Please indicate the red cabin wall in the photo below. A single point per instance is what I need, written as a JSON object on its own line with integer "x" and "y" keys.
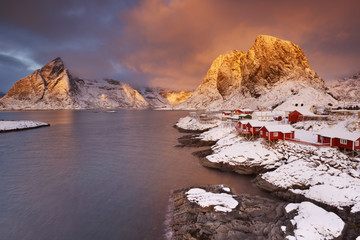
{"x": 358, "y": 147}
{"x": 348, "y": 145}
{"x": 263, "y": 135}
{"x": 289, "y": 135}
{"x": 294, "y": 116}
{"x": 325, "y": 139}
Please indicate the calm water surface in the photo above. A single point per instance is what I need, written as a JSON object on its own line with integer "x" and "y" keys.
{"x": 96, "y": 176}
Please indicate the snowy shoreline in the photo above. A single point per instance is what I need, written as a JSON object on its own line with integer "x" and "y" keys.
{"x": 291, "y": 171}
{"x": 7, "y": 126}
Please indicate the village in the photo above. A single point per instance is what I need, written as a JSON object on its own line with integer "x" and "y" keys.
{"x": 289, "y": 125}
{"x": 306, "y": 154}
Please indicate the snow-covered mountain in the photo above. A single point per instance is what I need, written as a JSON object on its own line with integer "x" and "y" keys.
{"x": 346, "y": 89}
{"x": 272, "y": 73}
{"x": 158, "y": 97}
{"x": 52, "y": 87}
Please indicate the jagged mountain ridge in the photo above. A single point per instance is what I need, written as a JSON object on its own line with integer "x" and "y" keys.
{"x": 346, "y": 89}
{"x": 53, "y": 87}
{"x": 266, "y": 75}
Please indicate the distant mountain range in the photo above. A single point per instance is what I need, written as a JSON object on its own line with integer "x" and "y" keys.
{"x": 346, "y": 89}
{"x": 273, "y": 73}
{"x": 53, "y": 87}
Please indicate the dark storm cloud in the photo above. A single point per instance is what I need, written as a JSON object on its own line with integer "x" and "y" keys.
{"x": 170, "y": 43}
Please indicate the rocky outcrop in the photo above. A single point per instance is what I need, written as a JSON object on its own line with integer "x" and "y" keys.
{"x": 346, "y": 89}
{"x": 266, "y": 75}
{"x": 53, "y": 87}
{"x": 253, "y": 218}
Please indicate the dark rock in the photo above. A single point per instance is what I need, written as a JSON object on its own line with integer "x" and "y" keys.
{"x": 253, "y": 218}
{"x": 182, "y": 130}
{"x": 194, "y": 141}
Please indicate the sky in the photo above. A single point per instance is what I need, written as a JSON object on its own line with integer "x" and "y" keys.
{"x": 169, "y": 43}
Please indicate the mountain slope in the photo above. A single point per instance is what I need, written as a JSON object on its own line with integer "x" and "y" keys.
{"x": 266, "y": 75}
{"x": 52, "y": 87}
{"x": 158, "y": 97}
{"x": 346, "y": 89}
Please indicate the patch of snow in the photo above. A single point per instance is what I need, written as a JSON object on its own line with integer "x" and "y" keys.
{"x": 217, "y": 133}
{"x": 222, "y": 202}
{"x": 243, "y": 151}
{"x": 18, "y": 125}
{"x": 226, "y": 189}
{"x": 192, "y": 123}
{"x": 313, "y": 222}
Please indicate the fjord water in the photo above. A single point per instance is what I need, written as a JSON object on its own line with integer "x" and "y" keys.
{"x": 96, "y": 175}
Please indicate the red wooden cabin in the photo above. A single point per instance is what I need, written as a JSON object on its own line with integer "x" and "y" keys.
{"x": 274, "y": 132}
{"x": 341, "y": 139}
{"x": 242, "y": 127}
{"x": 295, "y": 116}
{"x": 254, "y": 127}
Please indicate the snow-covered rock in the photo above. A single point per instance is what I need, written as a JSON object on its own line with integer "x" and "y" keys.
{"x": 20, "y": 125}
{"x": 272, "y": 73}
{"x": 313, "y": 222}
{"x": 322, "y": 174}
{"x": 195, "y": 124}
{"x": 217, "y": 133}
{"x": 222, "y": 202}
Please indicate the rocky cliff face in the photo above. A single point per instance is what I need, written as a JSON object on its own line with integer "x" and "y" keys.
{"x": 346, "y": 89}
{"x": 52, "y": 87}
{"x": 266, "y": 75}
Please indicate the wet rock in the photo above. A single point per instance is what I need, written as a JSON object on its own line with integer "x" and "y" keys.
{"x": 182, "y": 130}
{"x": 193, "y": 141}
{"x": 253, "y": 218}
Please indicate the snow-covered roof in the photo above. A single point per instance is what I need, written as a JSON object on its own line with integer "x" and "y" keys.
{"x": 263, "y": 113}
{"x": 255, "y": 123}
{"x": 343, "y": 134}
{"x": 284, "y": 128}
{"x": 305, "y": 111}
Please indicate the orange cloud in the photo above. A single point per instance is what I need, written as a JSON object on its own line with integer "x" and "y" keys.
{"x": 174, "y": 42}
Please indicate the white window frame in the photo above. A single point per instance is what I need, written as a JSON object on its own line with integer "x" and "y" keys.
{"x": 261, "y": 132}
{"x": 276, "y": 134}
{"x": 343, "y": 141}
{"x": 357, "y": 143}
{"x": 267, "y": 134}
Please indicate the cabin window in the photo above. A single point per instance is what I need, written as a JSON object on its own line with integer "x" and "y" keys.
{"x": 275, "y": 134}
{"x": 256, "y": 129}
{"x": 357, "y": 143}
{"x": 251, "y": 129}
{"x": 343, "y": 141}
{"x": 261, "y": 132}
{"x": 267, "y": 134}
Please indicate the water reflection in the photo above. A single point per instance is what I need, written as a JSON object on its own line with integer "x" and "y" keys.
{"x": 96, "y": 175}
